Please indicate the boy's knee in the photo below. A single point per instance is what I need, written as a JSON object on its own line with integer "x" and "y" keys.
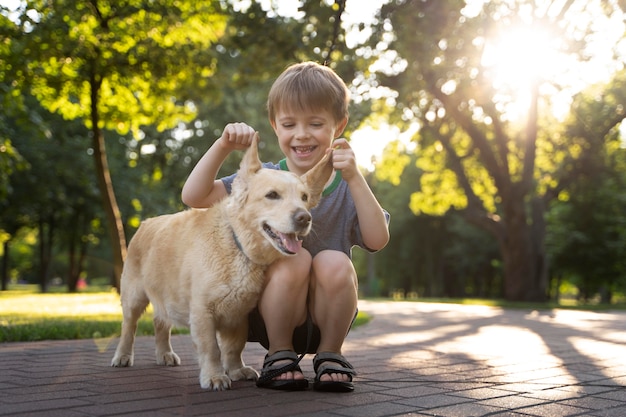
{"x": 295, "y": 267}
{"x": 334, "y": 268}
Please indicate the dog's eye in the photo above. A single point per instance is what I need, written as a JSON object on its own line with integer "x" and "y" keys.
{"x": 272, "y": 195}
{"x": 305, "y": 197}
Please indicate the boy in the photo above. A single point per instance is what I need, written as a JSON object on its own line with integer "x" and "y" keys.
{"x": 308, "y": 110}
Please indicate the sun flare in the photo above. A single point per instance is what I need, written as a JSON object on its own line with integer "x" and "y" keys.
{"x": 521, "y": 54}
{"x": 518, "y": 58}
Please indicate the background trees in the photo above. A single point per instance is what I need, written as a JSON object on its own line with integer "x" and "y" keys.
{"x": 500, "y": 165}
{"x": 498, "y": 196}
{"x": 114, "y": 65}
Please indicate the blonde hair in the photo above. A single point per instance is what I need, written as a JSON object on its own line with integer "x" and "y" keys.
{"x": 309, "y": 86}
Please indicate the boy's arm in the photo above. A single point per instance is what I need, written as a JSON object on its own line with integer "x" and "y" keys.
{"x": 372, "y": 220}
{"x": 202, "y": 189}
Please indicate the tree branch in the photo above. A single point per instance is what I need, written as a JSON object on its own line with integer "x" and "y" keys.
{"x": 480, "y": 140}
{"x": 336, "y": 29}
{"x": 530, "y": 152}
{"x": 475, "y": 211}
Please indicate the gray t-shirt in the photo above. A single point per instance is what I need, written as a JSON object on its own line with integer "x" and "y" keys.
{"x": 335, "y": 223}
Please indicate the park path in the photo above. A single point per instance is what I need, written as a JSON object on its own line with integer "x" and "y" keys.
{"x": 413, "y": 359}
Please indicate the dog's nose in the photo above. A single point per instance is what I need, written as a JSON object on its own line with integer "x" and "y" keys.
{"x": 302, "y": 218}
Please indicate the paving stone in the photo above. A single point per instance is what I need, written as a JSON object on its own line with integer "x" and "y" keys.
{"x": 414, "y": 359}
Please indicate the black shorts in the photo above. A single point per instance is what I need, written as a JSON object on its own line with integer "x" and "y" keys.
{"x": 258, "y": 333}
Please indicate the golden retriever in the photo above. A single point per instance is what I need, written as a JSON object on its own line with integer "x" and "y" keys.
{"x": 204, "y": 268}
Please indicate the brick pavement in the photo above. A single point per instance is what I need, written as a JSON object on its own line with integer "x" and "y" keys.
{"x": 413, "y": 359}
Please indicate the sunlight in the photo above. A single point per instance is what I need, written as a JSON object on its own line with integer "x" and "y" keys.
{"x": 59, "y": 305}
{"x": 528, "y": 52}
{"x": 369, "y": 143}
{"x": 521, "y": 54}
{"x": 590, "y": 348}
{"x": 520, "y": 57}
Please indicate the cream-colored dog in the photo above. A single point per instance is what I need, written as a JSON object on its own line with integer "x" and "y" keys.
{"x": 204, "y": 269}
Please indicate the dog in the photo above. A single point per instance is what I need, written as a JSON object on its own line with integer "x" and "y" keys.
{"x": 204, "y": 268}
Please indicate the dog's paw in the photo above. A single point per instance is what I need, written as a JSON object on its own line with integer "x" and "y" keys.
{"x": 168, "y": 359}
{"x": 215, "y": 382}
{"x": 242, "y": 374}
{"x": 121, "y": 361}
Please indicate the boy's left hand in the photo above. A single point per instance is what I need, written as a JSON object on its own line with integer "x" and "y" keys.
{"x": 344, "y": 159}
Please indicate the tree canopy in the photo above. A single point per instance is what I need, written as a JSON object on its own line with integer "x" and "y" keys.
{"x": 476, "y": 155}
{"x": 516, "y": 133}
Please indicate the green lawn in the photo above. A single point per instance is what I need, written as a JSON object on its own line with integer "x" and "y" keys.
{"x": 28, "y": 316}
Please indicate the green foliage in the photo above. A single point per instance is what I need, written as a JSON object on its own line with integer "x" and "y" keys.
{"x": 154, "y": 65}
{"x": 476, "y": 156}
{"x": 10, "y": 161}
{"x": 146, "y": 58}
{"x": 588, "y": 239}
{"x": 392, "y": 164}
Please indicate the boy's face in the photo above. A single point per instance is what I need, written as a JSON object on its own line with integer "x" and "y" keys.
{"x": 304, "y": 136}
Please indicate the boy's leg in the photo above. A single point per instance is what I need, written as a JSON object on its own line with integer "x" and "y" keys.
{"x": 283, "y": 303}
{"x": 333, "y": 301}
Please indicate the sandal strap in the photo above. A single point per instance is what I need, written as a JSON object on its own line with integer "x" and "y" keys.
{"x": 270, "y": 371}
{"x": 321, "y": 365}
{"x": 281, "y": 355}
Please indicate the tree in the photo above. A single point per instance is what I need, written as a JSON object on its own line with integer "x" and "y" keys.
{"x": 114, "y": 65}
{"x": 587, "y": 243}
{"x": 11, "y": 161}
{"x": 477, "y": 157}
{"x": 47, "y": 195}
{"x": 257, "y": 46}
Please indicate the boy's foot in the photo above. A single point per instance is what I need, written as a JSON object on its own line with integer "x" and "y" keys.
{"x": 281, "y": 371}
{"x": 329, "y": 369}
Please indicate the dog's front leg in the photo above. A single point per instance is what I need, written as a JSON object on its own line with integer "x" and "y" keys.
{"x": 232, "y": 342}
{"x": 204, "y": 336}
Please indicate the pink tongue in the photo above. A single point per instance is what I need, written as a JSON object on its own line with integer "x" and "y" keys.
{"x": 291, "y": 243}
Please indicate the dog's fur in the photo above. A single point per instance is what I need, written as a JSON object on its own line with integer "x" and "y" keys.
{"x": 204, "y": 268}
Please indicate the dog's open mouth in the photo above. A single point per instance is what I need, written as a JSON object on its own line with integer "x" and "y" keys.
{"x": 288, "y": 243}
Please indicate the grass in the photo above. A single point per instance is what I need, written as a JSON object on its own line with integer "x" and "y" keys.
{"x": 29, "y": 316}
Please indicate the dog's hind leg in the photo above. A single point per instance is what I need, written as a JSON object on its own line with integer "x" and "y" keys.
{"x": 134, "y": 303}
{"x": 232, "y": 342}
{"x": 164, "y": 353}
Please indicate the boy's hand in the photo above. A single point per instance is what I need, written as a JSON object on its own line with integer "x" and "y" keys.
{"x": 237, "y": 136}
{"x": 344, "y": 159}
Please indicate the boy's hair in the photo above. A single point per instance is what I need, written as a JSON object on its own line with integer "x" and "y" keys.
{"x": 309, "y": 86}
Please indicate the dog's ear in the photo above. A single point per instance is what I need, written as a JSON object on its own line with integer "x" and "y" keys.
{"x": 317, "y": 177}
{"x": 251, "y": 164}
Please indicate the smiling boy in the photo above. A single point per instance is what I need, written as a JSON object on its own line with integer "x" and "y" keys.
{"x": 308, "y": 110}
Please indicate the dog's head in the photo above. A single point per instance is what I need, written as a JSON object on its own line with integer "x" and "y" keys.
{"x": 270, "y": 208}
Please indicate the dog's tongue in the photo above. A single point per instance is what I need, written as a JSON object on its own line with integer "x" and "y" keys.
{"x": 291, "y": 242}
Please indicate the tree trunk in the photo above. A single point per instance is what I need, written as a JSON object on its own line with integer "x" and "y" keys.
{"x": 5, "y": 266}
{"x": 45, "y": 252}
{"x": 114, "y": 217}
{"x": 72, "y": 276}
{"x": 538, "y": 239}
{"x": 523, "y": 254}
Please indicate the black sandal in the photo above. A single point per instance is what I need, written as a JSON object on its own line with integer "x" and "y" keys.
{"x": 339, "y": 365}
{"x": 271, "y": 371}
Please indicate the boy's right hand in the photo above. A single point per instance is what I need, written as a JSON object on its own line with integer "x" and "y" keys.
{"x": 237, "y": 136}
